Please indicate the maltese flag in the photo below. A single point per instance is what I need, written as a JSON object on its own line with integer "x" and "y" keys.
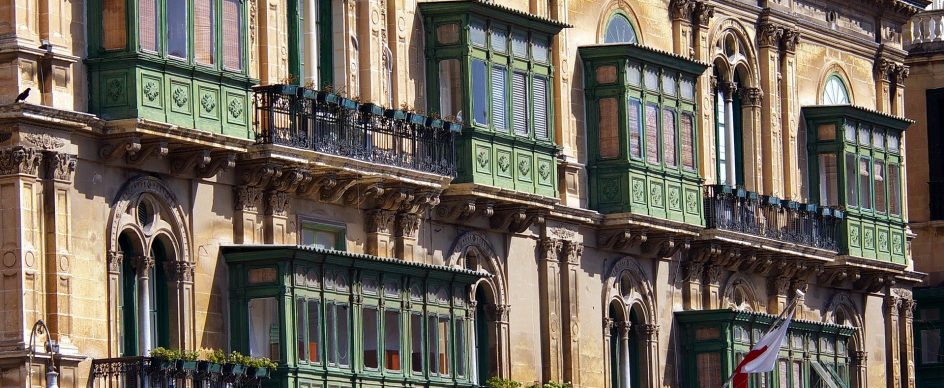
{"x": 763, "y": 357}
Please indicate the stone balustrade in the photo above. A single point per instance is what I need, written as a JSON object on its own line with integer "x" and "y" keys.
{"x": 925, "y": 27}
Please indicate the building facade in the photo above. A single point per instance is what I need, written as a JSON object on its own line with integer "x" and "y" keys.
{"x": 926, "y": 166}
{"x": 610, "y": 194}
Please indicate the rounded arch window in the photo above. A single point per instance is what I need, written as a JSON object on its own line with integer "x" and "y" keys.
{"x": 619, "y": 30}
{"x": 835, "y": 92}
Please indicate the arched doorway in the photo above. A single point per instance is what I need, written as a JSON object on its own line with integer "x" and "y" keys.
{"x": 630, "y": 334}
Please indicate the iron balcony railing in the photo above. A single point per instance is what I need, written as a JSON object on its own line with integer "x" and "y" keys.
{"x": 325, "y": 122}
{"x": 149, "y": 372}
{"x": 747, "y": 212}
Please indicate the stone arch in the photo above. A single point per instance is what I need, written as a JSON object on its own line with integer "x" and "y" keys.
{"x": 624, "y": 8}
{"x": 627, "y": 271}
{"x": 628, "y": 291}
{"x": 746, "y": 56}
{"x": 170, "y": 214}
{"x": 843, "y": 308}
{"x": 476, "y": 244}
{"x": 834, "y": 68}
{"x": 740, "y": 287}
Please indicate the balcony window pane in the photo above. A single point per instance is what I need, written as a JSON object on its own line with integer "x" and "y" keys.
{"x": 370, "y": 338}
{"x": 477, "y": 34}
{"x": 827, "y": 132}
{"x": 460, "y": 347}
{"x": 634, "y": 126}
{"x": 609, "y": 128}
{"x": 499, "y": 40}
{"x": 669, "y": 142}
{"x": 539, "y": 49}
{"x": 416, "y": 342}
{"x": 893, "y": 142}
{"x": 852, "y": 193}
{"x": 177, "y": 28}
{"x": 300, "y": 325}
{"x": 147, "y": 24}
{"x": 633, "y": 74}
{"x": 114, "y": 25}
{"x": 652, "y": 79}
{"x": 344, "y": 335}
{"x": 432, "y": 334}
{"x": 392, "y": 340}
{"x": 688, "y": 141}
{"x": 668, "y": 85}
{"x": 541, "y": 108}
{"x": 204, "y": 31}
{"x": 447, "y": 33}
{"x": 519, "y": 44}
{"x": 782, "y": 368}
{"x": 864, "y": 134}
{"x": 688, "y": 88}
{"x": 931, "y": 346}
{"x": 264, "y": 328}
{"x": 894, "y": 190}
{"x": 332, "y": 328}
{"x": 849, "y": 129}
{"x": 878, "y": 138}
{"x": 499, "y": 103}
{"x": 652, "y": 133}
{"x": 314, "y": 331}
{"x": 865, "y": 184}
{"x": 443, "y": 347}
{"x": 479, "y": 92}
{"x": 878, "y": 182}
{"x": 828, "y": 180}
{"x": 709, "y": 369}
{"x": 519, "y": 103}
{"x": 450, "y": 87}
{"x": 232, "y": 28}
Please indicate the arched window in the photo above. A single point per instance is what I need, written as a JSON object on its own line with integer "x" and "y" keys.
{"x": 731, "y": 74}
{"x": 835, "y": 92}
{"x": 619, "y": 30}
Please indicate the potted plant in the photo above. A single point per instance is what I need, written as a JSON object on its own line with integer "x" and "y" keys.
{"x": 348, "y": 103}
{"x": 212, "y": 362}
{"x": 327, "y": 94}
{"x": 373, "y": 109}
{"x": 417, "y": 118}
{"x": 395, "y": 114}
{"x": 166, "y": 358}
{"x": 188, "y": 360}
{"x": 235, "y": 364}
{"x": 260, "y": 368}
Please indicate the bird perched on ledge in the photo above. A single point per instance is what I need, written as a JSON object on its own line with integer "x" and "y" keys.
{"x": 22, "y": 97}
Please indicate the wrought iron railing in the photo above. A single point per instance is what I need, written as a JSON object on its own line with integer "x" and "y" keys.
{"x": 324, "y": 122}
{"x": 764, "y": 216}
{"x": 148, "y": 372}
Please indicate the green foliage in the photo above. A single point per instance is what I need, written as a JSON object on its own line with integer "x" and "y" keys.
{"x": 495, "y": 382}
{"x": 189, "y": 356}
{"x": 261, "y": 362}
{"x": 238, "y": 358}
{"x": 166, "y": 354}
{"x": 554, "y": 384}
{"x": 216, "y": 356}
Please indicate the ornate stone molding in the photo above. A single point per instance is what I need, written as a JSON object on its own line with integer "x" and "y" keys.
{"x": 115, "y": 259}
{"x": 44, "y": 141}
{"x": 19, "y": 160}
{"x": 59, "y": 166}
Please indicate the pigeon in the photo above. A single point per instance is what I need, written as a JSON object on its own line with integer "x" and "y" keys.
{"x": 22, "y": 97}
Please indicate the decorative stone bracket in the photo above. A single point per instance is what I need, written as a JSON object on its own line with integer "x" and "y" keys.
{"x": 621, "y": 239}
{"x": 516, "y": 219}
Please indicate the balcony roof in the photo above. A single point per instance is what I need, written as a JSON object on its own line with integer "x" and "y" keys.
{"x": 859, "y": 113}
{"x": 644, "y": 54}
{"x": 494, "y": 11}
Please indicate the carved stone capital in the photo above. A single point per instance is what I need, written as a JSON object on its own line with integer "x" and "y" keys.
{"x": 789, "y": 40}
{"x": 608, "y": 324}
{"x": 115, "y": 260}
{"x": 407, "y": 224}
{"x": 694, "y": 271}
{"x": 143, "y": 265}
{"x": 573, "y": 251}
{"x": 247, "y": 197}
{"x": 59, "y": 166}
{"x": 892, "y": 305}
{"x": 379, "y": 220}
{"x": 624, "y": 327}
{"x": 276, "y": 203}
{"x": 498, "y": 311}
{"x": 885, "y": 69}
{"x": 860, "y": 357}
{"x": 714, "y": 274}
{"x": 649, "y": 331}
{"x": 19, "y": 160}
{"x": 770, "y": 35}
{"x": 751, "y": 96}
{"x": 682, "y": 10}
{"x": 728, "y": 89}
{"x": 907, "y": 308}
{"x": 703, "y": 13}
{"x": 181, "y": 271}
{"x": 550, "y": 248}
{"x": 901, "y": 72}
{"x": 779, "y": 285}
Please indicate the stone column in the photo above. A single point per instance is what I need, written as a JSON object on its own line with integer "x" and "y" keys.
{"x": 115, "y": 260}
{"x": 144, "y": 264}
{"x": 180, "y": 280}
{"x": 550, "y": 304}
{"x": 769, "y": 62}
{"x": 379, "y": 241}
{"x": 860, "y": 373}
{"x": 608, "y": 325}
{"x": 789, "y": 111}
{"x": 57, "y": 204}
{"x": 20, "y": 274}
{"x": 892, "y": 345}
{"x": 570, "y": 307}
{"x": 624, "y": 328}
{"x": 728, "y": 90}
{"x": 907, "y": 342}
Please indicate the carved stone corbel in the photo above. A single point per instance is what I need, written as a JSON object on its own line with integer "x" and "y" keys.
{"x": 290, "y": 179}
{"x": 516, "y": 219}
{"x": 120, "y": 147}
{"x": 364, "y": 193}
{"x": 189, "y": 161}
{"x": 259, "y": 175}
{"x": 873, "y": 282}
{"x": 154, "y": 147}
{"x": 221, "y": 162}
{"x": 336, "y": 189}
{"x": 454, "y": 210}
{"x": 667, "y": 247}
{"x": 421, "y": 201}
{"x": 618, "y": 240}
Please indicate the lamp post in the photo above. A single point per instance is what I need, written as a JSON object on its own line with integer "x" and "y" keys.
{"x": 52, "y": 376}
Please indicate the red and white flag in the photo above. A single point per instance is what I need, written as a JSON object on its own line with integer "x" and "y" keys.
{"x": 763, "y": 357}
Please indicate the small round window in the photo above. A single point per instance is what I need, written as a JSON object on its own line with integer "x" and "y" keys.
{"x": 619, "y": 30}
{"x": 145, "y": 214}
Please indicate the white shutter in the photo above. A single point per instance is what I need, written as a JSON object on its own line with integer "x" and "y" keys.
{"x": 519, "y": 101}
{"x": 499, "y": 105}
{"x": 540, "y": 107}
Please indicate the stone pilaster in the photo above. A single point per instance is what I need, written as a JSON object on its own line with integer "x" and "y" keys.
{"x": 906, "y": 321}
{"x": 702, "y": 51}
{"x": 681, "y": 12}
{"x": 180, "y": 281}
{"x": 549, "y": 277}
{"x": 405, "y": 246}
{"x": 57, "y": 219}
{"x": 860, "y": 371}
{"x": 884, "y": 80}
{"x": 115, "y": 261}
{"x": 712, "y": 293}
{"x": 379, "y": 224}
{"x": 789, "y": 113}
{"x": 692, "y": 292}
{"x": 371, "y": 23}
{"x": 769, "y": 36}
{"x": 570, "y": 325}
{"x": 892, "y": 307}
{"x": 899, "y": 74}
{"x": 650, "y": 372}
{"x": 275, "y": 218}
{"x": 247, "y": 222}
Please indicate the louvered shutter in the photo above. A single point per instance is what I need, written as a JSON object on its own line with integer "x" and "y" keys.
{"x": 540, "y": 107}
{"x": 519, "y": 101}
{"x": 499, "y": 105}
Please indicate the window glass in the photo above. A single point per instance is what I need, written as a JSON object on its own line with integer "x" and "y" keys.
{"x": 499, "y": 104}
{"x": 878, "y": 138}
{"x": 147, "y": 24}
{"x": 519, "y": 44}
{"x": 432, "y": 333}
{"x": 668, "y": 85}
{"x": 852, "y": 196}
{"x": 343, "y": 333}
{"x": 669, "y": 142}
{"x": 720, "y": 117}
{"x": 450, "y": 87}
{"x": 113, "y": 25}
{"x": 232, "y": 27}
{"x": 317, "y": 236}
{"x": 539, "y": 49}
{"x": 634, "y": 124}
{"x": 443, "y": 348}
{"x": 878, "y": 183}
{"x": 865, "y": 183}
{"x": 634, "y": 74}
{"x": 835, "y": 91}
{"x": 894, "y": 190}
{"x": 688, "y": 88}
{"x": 477, "y": 34}
{"x": 931, "y": 346}
{"x": 519, "y": 103}
{"x": 688, "y": 141}
{"x": 652, "y": 79}
{"x": 798, "y": 374}
{"x": 460, "y": 347}
{"x": 301, "y": 322}
{"x": 204, "y": 31}
{"x": 264, "y": 328}
{"x": 828, "y": 180}
{"x": 619, "y": 30}
{"x": 177, "y": 28}
{"x": 709, "y": 369}
{"x": 479, "y": 92}
{"x": 609, "y": 128}
{"x": 850, "y": 131}
{"x": 499, "y": 40}
{"x": 416, "y": 343}
{"x": 447, "y": 33}
{"x": 893, "y": 142}
{"x": 541, "y": 129}
{"x": 314, "y": 330}
{"x": 652, "y": 133}
{"x": 392, "y": 340}
{"x": 338, "y": 334}
{"x": 370, "y": 337}
{"x": 782, "y": 369}
{"x": 864, "y": 132}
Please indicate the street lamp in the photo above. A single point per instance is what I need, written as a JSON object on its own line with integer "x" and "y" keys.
{"x": 52, "y": 376}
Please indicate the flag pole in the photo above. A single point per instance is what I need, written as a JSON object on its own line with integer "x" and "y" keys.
{"x": 777, "y": 322}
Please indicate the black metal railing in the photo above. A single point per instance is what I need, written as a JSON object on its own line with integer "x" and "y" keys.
{"x": 747, "y": 212}
{"x": 324, "y": 122}
{"x": 149, "y": 372}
